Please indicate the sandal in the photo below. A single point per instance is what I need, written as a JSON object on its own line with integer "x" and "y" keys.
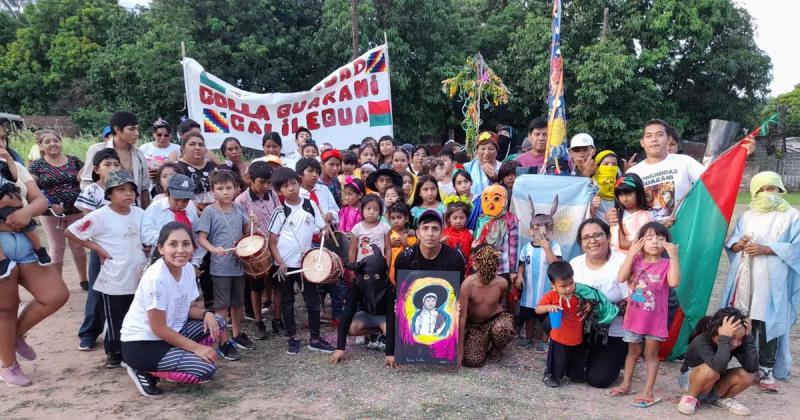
{"x": 618, "y": 392}
{"x": 644, "y": 402}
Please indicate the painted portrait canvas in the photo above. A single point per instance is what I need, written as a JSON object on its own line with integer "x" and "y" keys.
{"x": 427, "y": 323}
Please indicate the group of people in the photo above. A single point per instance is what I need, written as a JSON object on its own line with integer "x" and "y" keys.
{"x": 161, "y": 222}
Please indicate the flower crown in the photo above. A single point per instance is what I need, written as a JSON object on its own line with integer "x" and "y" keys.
{"x": 452, "y": 199}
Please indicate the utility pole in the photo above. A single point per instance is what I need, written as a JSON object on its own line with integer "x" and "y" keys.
{"x": 354, "y": 22}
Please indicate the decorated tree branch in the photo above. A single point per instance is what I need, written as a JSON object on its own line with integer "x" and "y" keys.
{"x": 476, "y": 86}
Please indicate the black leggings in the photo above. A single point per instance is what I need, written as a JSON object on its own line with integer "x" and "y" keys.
{"x": 604, "y": 362}
{"x": 310, "y": 296}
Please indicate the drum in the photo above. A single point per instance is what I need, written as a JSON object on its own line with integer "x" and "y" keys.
{"x": 322, "y": 269}
{"x": 253, "y": 251}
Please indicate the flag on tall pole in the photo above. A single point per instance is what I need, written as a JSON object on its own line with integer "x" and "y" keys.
{"x": 701, "y": 224}
{"x": 557, "y": 109}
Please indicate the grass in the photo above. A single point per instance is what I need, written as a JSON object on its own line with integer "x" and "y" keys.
{"x": 24, "y": 140}
{"x": 793, "y": 198}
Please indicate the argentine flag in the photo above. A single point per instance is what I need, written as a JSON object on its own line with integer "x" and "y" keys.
{"x": 574, "y": 195}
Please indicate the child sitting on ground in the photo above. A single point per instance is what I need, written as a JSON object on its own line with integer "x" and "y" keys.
{"x": 705, "y": 376}
{"x": 649, "y": 276}
{"x": 566, "y": 354}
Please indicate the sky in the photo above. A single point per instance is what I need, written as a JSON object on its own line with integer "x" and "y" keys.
{"x": 775, "y": 34}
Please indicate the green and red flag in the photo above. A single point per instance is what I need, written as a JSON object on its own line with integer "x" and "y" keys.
{"x": 701, "y": 225}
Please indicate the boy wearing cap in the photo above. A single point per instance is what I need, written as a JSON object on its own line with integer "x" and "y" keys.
{"x": 581, "y": 150}
{"x": 114, "y": 233}
{"x": 260, "y": 201}
{"x": 176, "y": 207}
{"x": 91, "y": 198}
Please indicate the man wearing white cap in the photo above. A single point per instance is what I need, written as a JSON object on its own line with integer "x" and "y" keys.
{"x": 581, "y": 150}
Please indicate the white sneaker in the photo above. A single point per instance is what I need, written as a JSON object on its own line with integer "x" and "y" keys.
{"x": 687, "y": 405}
{"x": 733, "y": 405}
{"x": 766, "y": 380}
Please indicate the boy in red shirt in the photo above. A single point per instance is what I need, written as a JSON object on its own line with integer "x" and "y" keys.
{"x": 566, "y": 354}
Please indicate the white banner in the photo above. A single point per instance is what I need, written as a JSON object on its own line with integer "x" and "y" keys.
{"x": 351, "y": 103}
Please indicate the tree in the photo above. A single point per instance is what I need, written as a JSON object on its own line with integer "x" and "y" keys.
{"x": 791, "y": 102}
{"x": 43, "y": 69}
{"x": 684, "y": 61}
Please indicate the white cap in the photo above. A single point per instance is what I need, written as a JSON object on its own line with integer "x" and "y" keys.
{"x": 581, "y": 140}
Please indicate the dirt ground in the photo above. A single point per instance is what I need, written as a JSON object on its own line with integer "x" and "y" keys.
{"x": 268, "y": 383}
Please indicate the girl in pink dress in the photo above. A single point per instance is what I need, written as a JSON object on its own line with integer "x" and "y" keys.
{"x": 649, "y": 274}
{"x": 350, "y": 213}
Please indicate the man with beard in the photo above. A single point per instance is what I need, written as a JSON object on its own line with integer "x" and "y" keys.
{"x": 483, "y": 325}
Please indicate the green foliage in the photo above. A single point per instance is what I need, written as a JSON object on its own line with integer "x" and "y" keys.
{"x": 791, "y": 102}
{"x": 685, "y": 61}
{"x": 43, "y": 69}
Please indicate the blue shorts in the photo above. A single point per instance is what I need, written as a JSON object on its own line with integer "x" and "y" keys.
{"x": 17, "y": 247}
{"x": 632, "y": 337}
{"x": 707, "y": 398}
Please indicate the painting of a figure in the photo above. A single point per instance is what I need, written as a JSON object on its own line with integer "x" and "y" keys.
{"x": 427, "y": 327}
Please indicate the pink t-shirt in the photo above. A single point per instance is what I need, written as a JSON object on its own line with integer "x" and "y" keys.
{"x": 348, "y": 218}
{"x": 649, "y": 295}
{"x": 632, "y": 223}
{"x": 527, "y": 160}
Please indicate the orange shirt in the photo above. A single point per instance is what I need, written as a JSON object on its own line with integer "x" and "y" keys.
{"x": 410, "y": 241}
{"x": 571, "y": 331}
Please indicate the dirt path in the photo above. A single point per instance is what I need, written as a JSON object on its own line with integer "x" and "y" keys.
{"x": 267, "y": 383}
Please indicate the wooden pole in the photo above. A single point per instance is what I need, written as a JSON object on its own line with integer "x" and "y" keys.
{"x": 354, "y": 22}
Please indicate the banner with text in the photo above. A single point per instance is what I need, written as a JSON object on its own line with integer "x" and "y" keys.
{"x": 351, "y": 103}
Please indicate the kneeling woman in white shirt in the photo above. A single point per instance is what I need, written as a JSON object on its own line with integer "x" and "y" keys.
{"x": 166, "y": 333}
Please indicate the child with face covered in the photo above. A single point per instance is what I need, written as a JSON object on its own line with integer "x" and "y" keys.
{"x": 534, "y": 259}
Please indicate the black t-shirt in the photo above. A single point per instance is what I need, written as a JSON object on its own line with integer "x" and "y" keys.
{"x": 448, "y": 259}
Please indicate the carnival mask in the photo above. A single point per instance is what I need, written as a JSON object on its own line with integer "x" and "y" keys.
{"x": 493, "y": 200}
{"x": 542, "y": 224}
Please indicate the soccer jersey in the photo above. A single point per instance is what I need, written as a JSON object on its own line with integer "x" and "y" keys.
{"x": 535, "y": 281}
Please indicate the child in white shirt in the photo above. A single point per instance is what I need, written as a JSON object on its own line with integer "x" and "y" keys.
{"x": 114, "y": 233}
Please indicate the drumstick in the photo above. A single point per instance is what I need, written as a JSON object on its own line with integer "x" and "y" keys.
{"x": 330, "y": 230}
{"x": 321, "y": 247}
{"x": 252, "y": 223}
{"x": 296, "y": 271}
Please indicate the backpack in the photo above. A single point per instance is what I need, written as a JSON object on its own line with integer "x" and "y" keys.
{"x": 306, "y": 205}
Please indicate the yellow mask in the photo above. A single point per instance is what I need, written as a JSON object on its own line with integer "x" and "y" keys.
{"x": 493, "y": 200}
{"x": 606, "y": 177}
